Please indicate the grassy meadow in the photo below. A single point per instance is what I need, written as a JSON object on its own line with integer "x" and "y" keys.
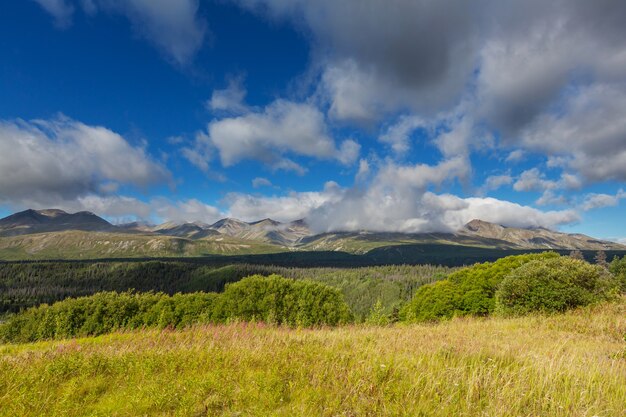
{"x": 572, "y": 364}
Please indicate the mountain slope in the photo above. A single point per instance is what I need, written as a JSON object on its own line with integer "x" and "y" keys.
{"x": 537, "y": 238}
{"x": 38, "y": 221}
{"x": 475, "y": 233}
{"x": 77, "y": 244}
{"x": 56, "y": 234}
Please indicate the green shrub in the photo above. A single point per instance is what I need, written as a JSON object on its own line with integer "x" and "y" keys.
{"x": 273, "y": 299}
{"x": 618, "y": 268}
{"x": 554, "y": 285}
{"x": 279, "y": 300}
{"x": 377, "y": 316}
{"x": 468, "y": 291}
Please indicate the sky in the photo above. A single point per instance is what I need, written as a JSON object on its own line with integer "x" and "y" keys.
{"x": 403, "y": 115}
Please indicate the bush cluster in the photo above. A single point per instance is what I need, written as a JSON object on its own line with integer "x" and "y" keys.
{"x": 272, "y": 299}
{"x": 468, "y": 291}
{"x": 516, "y": 285}
{"x": 554, "y": 285}
{"x": 618, "y": 268}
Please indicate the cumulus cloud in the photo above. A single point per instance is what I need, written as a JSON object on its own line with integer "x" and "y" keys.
{"x": 550, "y": 198}
{"x": 381, "y": 55}
{"x": 48, "y": 160}
{"x": 230, "y": 99}
{"x": 535, "y": 180}
{"x": 61, "y": 10}
{"x": 588, "y": 135}
{"x": 172, "y": 26}
{"x": 594, "y": 201}
{"x": 294, "y": 206}
{"x": 398, "y": 198}
{"x": 398, "y": 134}
{"x": 259, "y": 182}
{"x": 121, "y": 208}
{"x": 548, "y": 77}
{"x": 390, "y": 210}
{"x": 200, "y": 152}
{"x": 515, "y": 156}
{"x": 494, "y": 182}
{"x": 181, "y": 211}
{"x": 363, "y": 172}
{"x": 283, "y": 127}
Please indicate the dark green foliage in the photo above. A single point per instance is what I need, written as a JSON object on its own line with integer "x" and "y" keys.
{"x": 468, "y": 291}
{"x": 105, "y": 312}
{"x": 282, "y": 301}
{"x": 273, "y": 299}
{"x": 392, "y": 285}
{"x": 554, "y": 285}
{"x": 24, "y": 285}
{"x": 436, "y": 301}
{"x": 618, "y": 268}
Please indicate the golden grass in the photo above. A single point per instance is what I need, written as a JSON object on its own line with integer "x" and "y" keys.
{"x": 566, "y": 365}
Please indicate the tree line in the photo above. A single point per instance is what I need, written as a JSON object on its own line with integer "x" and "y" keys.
{"x": 272, "y": 299}
{"x": 23, "y": 285}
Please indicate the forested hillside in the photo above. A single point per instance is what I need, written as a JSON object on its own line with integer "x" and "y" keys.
{"x": 23, "y": 285}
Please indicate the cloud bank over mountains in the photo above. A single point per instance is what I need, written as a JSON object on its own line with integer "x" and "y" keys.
{"x": 517, "y": 80}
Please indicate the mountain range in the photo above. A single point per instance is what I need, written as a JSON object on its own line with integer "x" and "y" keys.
{"x": 54, "y": 233}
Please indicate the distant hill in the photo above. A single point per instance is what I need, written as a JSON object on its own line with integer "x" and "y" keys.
{"x": 52, "y": 233}
{"x": 51, "y": 220}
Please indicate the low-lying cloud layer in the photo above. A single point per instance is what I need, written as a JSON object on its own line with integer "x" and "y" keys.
{"x": 396, "y": 200}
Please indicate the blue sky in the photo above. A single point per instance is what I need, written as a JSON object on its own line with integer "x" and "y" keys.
{"x": 415, "y": 116}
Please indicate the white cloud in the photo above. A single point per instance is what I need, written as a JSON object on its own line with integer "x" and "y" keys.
{"x": 112, "y": 207}
{"x": 458, "y": 139}
{"x": 547, "y": 77}
{"x": 44, "y": 161}
{"x": 200, "y": 152}
{"x": 230, "y": 99}
{"x": 515, "y": 156}
{"x": 401, "y": 210}
{"x": 259, "y": 182}
{"x": 363, "y": 172}
{"x": 588, "y": 135}
{"x": 398, "y": 134}
{"x": 294, "y": 206}
{"x": 594, "y": 201}
{"x": 348, "y": 152}
{"x": 534, "y": 180}
{"x": 61, "y": 10}
{"x": 181, "y": 211}
{"x": 283, "y": 127}
{"x": 380, "y": 56}
{"x": 549, "y": 197}
{"x": 286, "y": 164}
{"x": 172, "y": 26}
{"x": 508, "y": 214}
{"x": 494, "y": 182}
{"x": 396, "y": 200}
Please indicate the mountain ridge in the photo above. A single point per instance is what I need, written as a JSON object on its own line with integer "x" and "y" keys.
{"x": 232, "y": 235}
